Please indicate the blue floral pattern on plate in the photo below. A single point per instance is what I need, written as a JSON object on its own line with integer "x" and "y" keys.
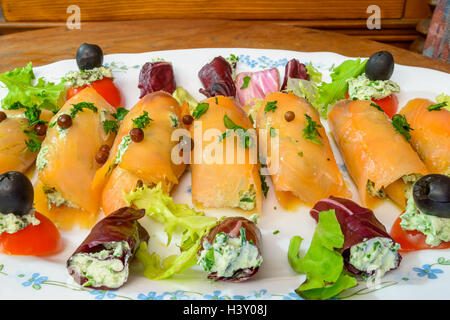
{"x": 427, "y": 271}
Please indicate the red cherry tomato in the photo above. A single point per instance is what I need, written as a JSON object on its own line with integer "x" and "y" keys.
{"x": 389, "y": 104}
{"x": 106, "y": 88}
{"x": 412, "y": 240}
{"x": 39, "y": 240}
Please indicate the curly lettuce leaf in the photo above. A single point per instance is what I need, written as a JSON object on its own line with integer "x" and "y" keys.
{"x": 444, "y": 98}
{"x": 43, "y": 95}
{"x": 181, "y": 95}
{"x": 314, "y": 74}
{"x": 323, "y": 263}
{"x": 329, "y": 93}
{"x": 175, "y": 218}
{"x": 302, "y": 88}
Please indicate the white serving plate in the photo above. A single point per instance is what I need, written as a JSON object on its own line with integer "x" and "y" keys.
{"x": 421, "y": 275}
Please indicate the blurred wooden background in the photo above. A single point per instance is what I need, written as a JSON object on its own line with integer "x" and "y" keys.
{"x": 398, "y": 25}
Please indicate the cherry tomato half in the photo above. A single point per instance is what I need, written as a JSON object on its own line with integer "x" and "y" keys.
{"x": 389, "y": 104}
{"x": 412, "y": 240}
{"x": 106, "y": 88}
{"x": 39, "y": 240}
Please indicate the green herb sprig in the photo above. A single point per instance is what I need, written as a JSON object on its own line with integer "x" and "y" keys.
{"x": 402, "y": 126}
{"x": 110, "y": 126}
{"x": 142, "y": 121}
{"x": 264, "y": 186}
{"x": 437, "y": 107}
{"x": 33, "y": 143}
{"x": 245, "y": 82}
{"x": 120, "y": 114}
{"x": 200, "y": 110}
{"x": 310, "y": 131}
{"x": 80, "y": 107}
{"x": 270, "y": 106}
{"x": 229, "y": 124}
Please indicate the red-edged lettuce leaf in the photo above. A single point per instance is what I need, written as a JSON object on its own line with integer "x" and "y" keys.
{"x": 294, "y": 69}
{"x": 156, "y": 76}
{"x": 217, "y": 78}
{"x": 357, "y": 224}
{"x": 256, "y": 85}
{"x": 121, "y": 225}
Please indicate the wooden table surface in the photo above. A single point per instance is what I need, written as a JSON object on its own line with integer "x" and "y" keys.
{"x": 53, "y": 44}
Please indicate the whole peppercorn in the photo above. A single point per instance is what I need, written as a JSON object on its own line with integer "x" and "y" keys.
{"x": 64, "y": 121}
{"x": 105, "y": 148}
{"x": 101, "y": 157}
{"x": 41, "y": 129}
{"x": 289, "y": 116}
{"x": 188, "y": 119}
{"x": 136, "y": 134}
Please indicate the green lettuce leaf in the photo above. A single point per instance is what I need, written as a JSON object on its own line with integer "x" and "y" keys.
{"x": 175, "y": 218}
{"x": 329, "y": 93}
{"x": 323, "y": 263}
{"x": 43, "y": 95}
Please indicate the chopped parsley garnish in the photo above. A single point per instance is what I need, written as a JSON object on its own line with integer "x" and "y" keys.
{"x": 437, "y": 107}
{"x": 33, "y": 114}
{"x": 209, "y": 259}
{"x": 80, "y": 106}
{"x": 270, "y": 106}
{"x": 241, "y": 132}
{"x": 300, "y": 153}
{"x": 310, "y": 131}
{"x": 217, "y": 100}
{"x": 373, "y": 104}
{"x": 233, "y": 60}
{"x": 273, "y": 132}
{"x": 142, "y": 121}
{"x": 120, "y": 113}
{"x": 264, "y": 186}
{"x": 245, "y": 83}
{"x": 200, "y": 110}
{"x": 251, "y": 119}
{"x": 33, "y": 143}
{"x": 276, "y": 232}
{"x": 402, "y": 126}
{"x": 110, "y": 126}
{"x": 175, "y": 121}
{"x": 16, "y": 105}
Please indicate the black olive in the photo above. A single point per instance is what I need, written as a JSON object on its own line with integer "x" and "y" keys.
{"x": 16, "y": 193}
{"x": 380, "y": 66}
{"x": 432, "y": 195}
{"x": 89, "y": 56}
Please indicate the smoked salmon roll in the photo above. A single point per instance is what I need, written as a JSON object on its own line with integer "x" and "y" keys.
{"x": 15, "y": 154}
{"x": 67, "y": 163}
{"x": 303, "y": 169}
{"x": 379, "y": 158}
{"x": 224, "y": 164}
{"x": 144, "y": 159}
{"x": 431, "y": 135}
